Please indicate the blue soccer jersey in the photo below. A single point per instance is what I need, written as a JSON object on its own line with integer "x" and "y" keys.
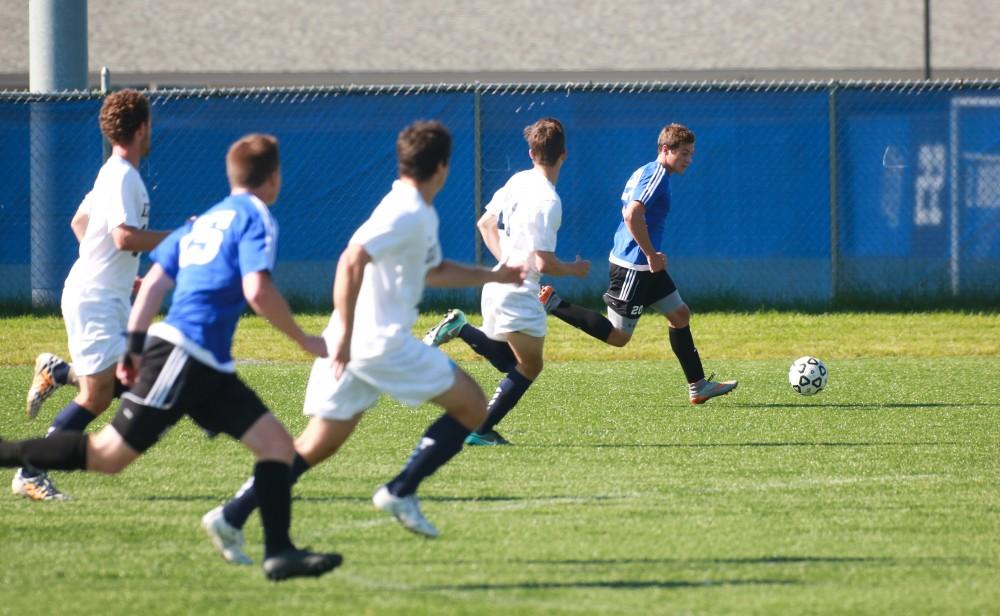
{"x": 649, "y": 185}
{"x": 207, "y": 260}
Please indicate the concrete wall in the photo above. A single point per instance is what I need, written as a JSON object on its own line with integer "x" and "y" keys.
{"x": 367, "y": 40}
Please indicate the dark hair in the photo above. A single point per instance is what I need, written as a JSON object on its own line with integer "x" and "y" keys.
{"x": 421, "y": 148}
{"x": 252, "y": 160}
{"x": 547, "y": 140}
{"x": 674, "y": 136}
{"x": 122, "y": 114}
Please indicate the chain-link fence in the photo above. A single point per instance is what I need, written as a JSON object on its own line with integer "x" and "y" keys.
{"x": 799, "y": 192}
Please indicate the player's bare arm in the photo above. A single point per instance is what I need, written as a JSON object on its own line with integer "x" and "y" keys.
{"x": 549, "y": 264}
{"x": 79, "y": 224}
{"x": 635, "y": 221}
{"x": 131, "y": 239}
{"x": 449, "y": 274}
{"x": 346, "y": 285}
{"x": 487, "y": 225}
{"x": 267, "y": 301}
{"x": 148, "y": 300}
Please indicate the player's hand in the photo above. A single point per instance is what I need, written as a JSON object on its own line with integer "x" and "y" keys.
{"x": 657, "y": 262}
{"x": 128, "y": 369}
{"x": 581, "y": 267}
{"x": 341, "y": 357}
{"x": 315, "y": 346}
{"x": 511, "y": 274}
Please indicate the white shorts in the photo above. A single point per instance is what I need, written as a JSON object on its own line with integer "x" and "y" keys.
{"x": 509, "y": 309}
{"x": 95, "y": 327}
{"x": 412, "y": 374}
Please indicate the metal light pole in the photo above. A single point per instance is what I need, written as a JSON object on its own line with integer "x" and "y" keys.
{"x": 58, "y": 62}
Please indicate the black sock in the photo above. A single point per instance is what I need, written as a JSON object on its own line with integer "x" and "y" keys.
{"x": 585, "y": 320}
{"x": 439, "y": 444}
{"x": 72, "y": 418}
{"x": 61, "y": 451}
{"x": 272, "y": 480}
{"x": 237, "y": 510}
{"x": 60, "y": 374}
{"x": 683, "y": 346}
{"x": 507, "y": 394}
{"x": 496, "y": 352}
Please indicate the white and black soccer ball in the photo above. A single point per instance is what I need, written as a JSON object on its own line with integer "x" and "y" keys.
{"x": 807, "y": 376}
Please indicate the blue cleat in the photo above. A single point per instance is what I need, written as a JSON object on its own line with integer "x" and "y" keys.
{"x": 447, "y": 329}
{"x": 489, "y": 439}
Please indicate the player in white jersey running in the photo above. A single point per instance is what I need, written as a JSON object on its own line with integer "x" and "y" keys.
{"x": 519, "y": 227}
{"x": 380, "y": 279}
{"x": 110, "y": 225}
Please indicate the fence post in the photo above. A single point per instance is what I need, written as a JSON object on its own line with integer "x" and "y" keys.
{"x": 105, "y": 90}
{"x": 834, "y": 194}
{"x": 477, "y": 166}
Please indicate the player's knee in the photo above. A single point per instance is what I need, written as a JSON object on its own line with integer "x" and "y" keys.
{"x": 530, "y": 369}
{"x": 618, "y": 337}
{"x": 681, "y": 317}
{"x": 96, "y": 400}
{"x": 108, "y": 453}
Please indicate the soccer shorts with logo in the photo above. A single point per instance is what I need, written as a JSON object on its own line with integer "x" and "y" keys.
{"x": 95, "y": 329}
{"x": 631, "y": 291}
{"x": 509, "y": 308}
{"x": 409, "y": 371}
{"x": 173, "y": 384}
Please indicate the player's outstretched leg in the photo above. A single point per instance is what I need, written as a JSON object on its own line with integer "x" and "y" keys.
{"x": 587, "y": 321}
{"x": 51, "y": 373}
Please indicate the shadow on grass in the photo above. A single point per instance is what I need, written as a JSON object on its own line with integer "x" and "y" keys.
{"x": 609, "y": 584}
{"x": 864, "y": 405}
{"x": 748, "y": 444}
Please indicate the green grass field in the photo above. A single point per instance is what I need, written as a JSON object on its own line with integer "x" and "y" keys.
{"x": 880, "y": 495}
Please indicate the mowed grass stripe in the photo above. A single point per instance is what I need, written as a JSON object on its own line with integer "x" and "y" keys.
{"x": 879, "y": 495}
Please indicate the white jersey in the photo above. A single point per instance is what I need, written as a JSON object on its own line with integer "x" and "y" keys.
{"x": 119, "y": 197}
{"x": 401, "y": 236}
{"x": 528, "y": 212}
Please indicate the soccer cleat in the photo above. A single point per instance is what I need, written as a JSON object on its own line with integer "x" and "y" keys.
{"x": 549, "y": 298}
{"x": 226, "y": 538}
{"x": 491, "y": 438}
{"x": 706, "y": 389}
{"x": 406, "y": 510}
{"x": 446, "y": 329}
{"x": 294, "y": 562}
{"x": 39, "y": 487}
{"x": 44, "y": 384}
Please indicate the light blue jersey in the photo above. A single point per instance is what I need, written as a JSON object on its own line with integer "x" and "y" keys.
{"x": 649, "y": 185}
{"x": 208, "y": 260}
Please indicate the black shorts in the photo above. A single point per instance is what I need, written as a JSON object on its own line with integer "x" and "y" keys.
{"x": 631, "y": 291}
{"x": 173, "y": 384}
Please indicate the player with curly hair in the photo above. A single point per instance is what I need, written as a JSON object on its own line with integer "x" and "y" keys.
{"x": 110, "y": 225}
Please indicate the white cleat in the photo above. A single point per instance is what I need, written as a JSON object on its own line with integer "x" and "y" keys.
{"x": 226, "y": 538}
{"x": 706, "y": 389}
{"x": 406, "y": 510}
{"x": 38, "y": 488}
{"x": 44, "y": 383}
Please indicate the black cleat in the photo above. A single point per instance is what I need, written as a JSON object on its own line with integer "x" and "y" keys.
{"x": 299, "y": 563}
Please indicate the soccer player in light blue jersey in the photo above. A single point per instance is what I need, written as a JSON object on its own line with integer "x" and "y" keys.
{"x": 217, "y": 265}
{"x": 638, "y": 268}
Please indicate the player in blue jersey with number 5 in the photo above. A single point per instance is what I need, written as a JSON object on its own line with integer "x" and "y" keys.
{"x": 217, "y": 264}
{"x": 638, "y": 269}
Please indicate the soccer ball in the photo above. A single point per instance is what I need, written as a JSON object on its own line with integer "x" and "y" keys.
{"x": 807, "y": 376}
